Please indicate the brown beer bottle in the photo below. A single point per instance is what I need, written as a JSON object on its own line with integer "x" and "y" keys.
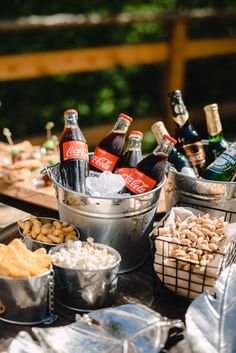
{"x": 132, "y": 156}
{"x": 188, "y": 140}
{"x": 73, "y": 154}
{"x": 150, "y": 171}
{"x": 110, "y": 148}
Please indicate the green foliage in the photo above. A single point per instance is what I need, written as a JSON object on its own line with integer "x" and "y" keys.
{"x": 100, "y": 96}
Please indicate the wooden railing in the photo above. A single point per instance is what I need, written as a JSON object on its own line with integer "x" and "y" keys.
{"x": 175, "y": 53}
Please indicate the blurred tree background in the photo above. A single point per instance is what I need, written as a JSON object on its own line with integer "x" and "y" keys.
{"x": 26, "y": 105}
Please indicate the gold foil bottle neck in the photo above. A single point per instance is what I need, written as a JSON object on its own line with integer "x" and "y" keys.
{"x": 214, "y": 126}
{"x": 159, "y": 130}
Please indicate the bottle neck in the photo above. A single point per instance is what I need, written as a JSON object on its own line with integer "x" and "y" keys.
{"x": 159, "y": 130}
{"x": 134, "y": 143}
{"x": 71, "y": 120}
{"x": 165, "y": 146}
{"x": 179, "y": 111}
{"x": 214, "y": 126}
{"x": 121, "y": 126}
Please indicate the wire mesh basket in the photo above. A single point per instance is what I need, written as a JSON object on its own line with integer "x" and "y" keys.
{"x": 180, "y": 275}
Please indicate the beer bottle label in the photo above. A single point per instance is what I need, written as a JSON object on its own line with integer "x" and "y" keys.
{"x": 195, "y": 153}
{"x": 138, "y": 183}
{"x": 75, "y": 150}
{"x": 224, "y": 162}
{"x": 125, "y": 172}
{"x": 103, "y": 160}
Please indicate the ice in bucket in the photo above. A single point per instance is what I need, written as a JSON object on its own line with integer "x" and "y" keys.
{"x": 105, "y": 184}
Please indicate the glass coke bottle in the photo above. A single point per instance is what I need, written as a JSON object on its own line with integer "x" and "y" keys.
{"x": 188, "y": 140}
{"x": 216, "y": 142}
{"x": 150, "y": 171}
{"x": 110, "y": 148}
{"x": 132, "y": 155}
{"x": 73, "y": 154}
{"x": 176, "y": 158}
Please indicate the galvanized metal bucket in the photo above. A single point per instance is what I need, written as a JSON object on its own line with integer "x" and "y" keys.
{"x": 86, "y": 290}
{"x": 124, "y": 223}
{"x": 207, "y": 193}
{"x": 25, "y": 301}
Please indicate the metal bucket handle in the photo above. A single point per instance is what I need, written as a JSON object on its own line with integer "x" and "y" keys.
{"x": 52, "y": 317}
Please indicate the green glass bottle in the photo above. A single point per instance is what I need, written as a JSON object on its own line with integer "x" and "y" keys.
{"x": 223, "y": 168}
{"x": 216, "y": 142}
{"x": 188, "y": 139}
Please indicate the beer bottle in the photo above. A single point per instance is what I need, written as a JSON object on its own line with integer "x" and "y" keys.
{"x": 150, "y": 171}
{"x": 110, "y": 148}
{"x": 73, "y": 154}
{"x": 188, "y": 140}
{"x": 176, "y": 158}
{"x": 216, "y": 142}
{"x": 223, "y": 168}
{"x": 132, "y": 155}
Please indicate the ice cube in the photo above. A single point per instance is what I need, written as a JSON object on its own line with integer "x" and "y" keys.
{"x": 105, "y": 185}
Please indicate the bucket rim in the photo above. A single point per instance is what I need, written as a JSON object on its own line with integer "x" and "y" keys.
{"x": 117, "y": 197}
{"x": 172, "y": 170}
{"x": 21, "y": 279}
{"x": 111, "y": 267}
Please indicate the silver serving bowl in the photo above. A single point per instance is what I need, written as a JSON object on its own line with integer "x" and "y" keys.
{"x": 25, "y": 299}
{"x": 85, "y": 290}
{"x": 33, "y": 244}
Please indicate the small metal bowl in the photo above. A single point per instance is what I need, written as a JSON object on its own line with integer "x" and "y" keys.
{"x": 86, "y": 290}
{"x": 33, "y": 244}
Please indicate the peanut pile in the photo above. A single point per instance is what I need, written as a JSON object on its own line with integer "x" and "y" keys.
{"x": 196, "y": 238}
{"x": 54, "y": 232}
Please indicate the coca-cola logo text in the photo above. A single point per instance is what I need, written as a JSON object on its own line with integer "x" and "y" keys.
{"x": 137, "y": 185}
{"x": 77, "y": 152}
{"x": 102, "y": 163}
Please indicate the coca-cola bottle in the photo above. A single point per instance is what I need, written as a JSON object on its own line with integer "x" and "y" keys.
{"x": 73, "y": 154}
{"x": 110, "y": 148}
{"x": 151, "y": 170}
{"x": 132, "y": 155}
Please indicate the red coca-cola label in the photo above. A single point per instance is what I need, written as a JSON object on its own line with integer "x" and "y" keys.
{"x": 124, "y": 172}
{"x": 103, "y": 160}
{"x": 139, "y": 183}
{"x": 75, "y": 150}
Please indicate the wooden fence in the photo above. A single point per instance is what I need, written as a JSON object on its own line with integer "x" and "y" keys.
{"x": 175, "y": 53}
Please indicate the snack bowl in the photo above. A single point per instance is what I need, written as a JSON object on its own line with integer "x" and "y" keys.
{"x": 24, "y": 301}
{"x": 33, "y": 244}
{"x": 25, "y": 282}
{"x": 85, "y": 289}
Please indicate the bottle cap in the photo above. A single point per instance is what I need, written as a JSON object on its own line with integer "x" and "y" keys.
{"x": 126, "y": 117}
{"x": 174, "y": 93}
{"x": 171, "y": 139}
{"x": 70, "y": 111}
{"x": 136, "y": 132}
